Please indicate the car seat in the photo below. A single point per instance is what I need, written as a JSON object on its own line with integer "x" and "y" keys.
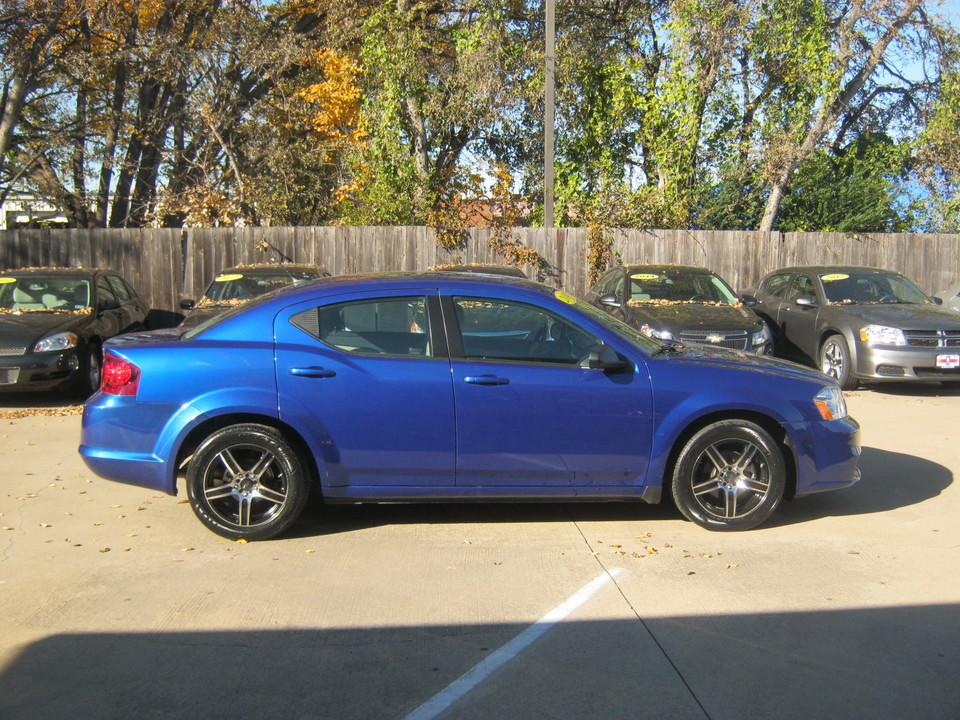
{"x": 50, "y": 300}
{"x": 22, "y": 300}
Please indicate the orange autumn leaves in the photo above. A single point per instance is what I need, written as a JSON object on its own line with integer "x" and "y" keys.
{"x": 337, "y": 119}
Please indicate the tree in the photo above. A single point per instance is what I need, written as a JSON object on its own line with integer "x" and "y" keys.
{"x": 833, "y": 66}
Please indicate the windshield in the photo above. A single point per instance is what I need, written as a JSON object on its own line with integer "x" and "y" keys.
{"x": 670, "y": 287}
{"x": 237, "y": 287}
{"x": 44, "y": 293}
{"x": 870, "y": 286}
{"x": 641, "y": 342}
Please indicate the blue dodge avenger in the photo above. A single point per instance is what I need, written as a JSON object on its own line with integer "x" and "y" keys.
{"x": 446, "y": 387}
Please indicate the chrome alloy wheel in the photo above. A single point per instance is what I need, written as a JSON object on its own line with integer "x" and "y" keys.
{"x": 244, "y": 486}
{"x": 246, "y": 482}
{"x": 730, "y": 478}
{"x": 833, "y": 360}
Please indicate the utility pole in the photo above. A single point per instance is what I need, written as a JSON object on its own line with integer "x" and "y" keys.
{"x": 549, "y": 113}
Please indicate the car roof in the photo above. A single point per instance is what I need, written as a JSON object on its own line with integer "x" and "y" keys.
{"x": 272, "y": 268}
{"x": 480, "y": 268}
{"x": 831, "y": 268}
{"x": 664, "y": 267}
{"x": 402, "y": 279}
{"x": 63, "y": 271}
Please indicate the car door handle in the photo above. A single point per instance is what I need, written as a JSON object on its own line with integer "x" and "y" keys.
{"x": 313, "y": 372}
{"x": 485, "y": 380}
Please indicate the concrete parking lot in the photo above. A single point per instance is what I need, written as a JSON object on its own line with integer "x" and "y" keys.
{"x": 116, "y": 603}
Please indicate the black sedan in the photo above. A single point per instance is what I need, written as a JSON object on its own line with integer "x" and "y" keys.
{"x": 860, "y": 323}
{"x": 681, "y": 304}
{"x": 238, "y": 284}
{"x": 53, "y": 322}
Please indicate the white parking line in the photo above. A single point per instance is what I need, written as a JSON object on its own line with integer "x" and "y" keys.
{"x": 480, "y": 672}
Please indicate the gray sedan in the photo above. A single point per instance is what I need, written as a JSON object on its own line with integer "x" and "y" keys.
{"x": 857, "y": 323}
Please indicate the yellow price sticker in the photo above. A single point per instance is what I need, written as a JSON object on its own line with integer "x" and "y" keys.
{"x": 565, "y": 297}
{"x": 645, "y": 276}
{"x": 834, "y": 276}
{"x": 227, "y": 278}
{"x": 7, "y": 281}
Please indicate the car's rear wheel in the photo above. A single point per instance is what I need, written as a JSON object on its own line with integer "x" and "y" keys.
{"x": 246, "y": 482}
{"x": 730, "y": 475}
{"x": 835, "y": 361}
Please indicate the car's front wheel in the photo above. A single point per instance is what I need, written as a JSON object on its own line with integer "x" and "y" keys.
{"x": 246, "y": 482}
{"x": 835, "y": 361}
{"x": 730, "y": 475}
{"x": 87, "y": 379}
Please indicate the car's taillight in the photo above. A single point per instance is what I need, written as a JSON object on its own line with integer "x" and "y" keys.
{"x": 118, "y": 376}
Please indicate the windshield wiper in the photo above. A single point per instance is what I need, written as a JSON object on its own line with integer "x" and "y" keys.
{"x": 670, "y": 347}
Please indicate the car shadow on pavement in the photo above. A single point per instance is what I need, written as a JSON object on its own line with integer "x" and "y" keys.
{"x": 890, "y": 480}
{"x": 22, "y": 401}
{"x": 877, "y": 663}
{"x": 913, "y": 389}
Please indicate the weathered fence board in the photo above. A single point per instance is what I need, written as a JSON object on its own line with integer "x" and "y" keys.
{"x": 169, "y": 264}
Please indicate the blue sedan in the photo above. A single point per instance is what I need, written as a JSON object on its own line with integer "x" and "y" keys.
{"x": 446, "y": 387}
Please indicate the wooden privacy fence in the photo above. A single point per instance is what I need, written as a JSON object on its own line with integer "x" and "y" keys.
{"x": 166, "y": 265}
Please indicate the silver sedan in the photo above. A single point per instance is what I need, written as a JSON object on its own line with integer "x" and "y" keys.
{"x": 857, "y": 323}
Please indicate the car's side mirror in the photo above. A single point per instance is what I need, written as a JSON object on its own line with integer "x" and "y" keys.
{"x": 748, "y": 300}
{"x": 187, "y": 304}
{"x": 604, "y": 357}
{"x": 937, "y": 301}
{"x": 806, "y": 301}
{"x": 609, "y": 299}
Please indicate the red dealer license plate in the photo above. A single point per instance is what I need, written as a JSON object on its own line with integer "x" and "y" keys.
{"x": 948, "y": 361}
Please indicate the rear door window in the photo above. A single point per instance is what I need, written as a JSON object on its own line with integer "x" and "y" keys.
{"x": 396, "y": 326}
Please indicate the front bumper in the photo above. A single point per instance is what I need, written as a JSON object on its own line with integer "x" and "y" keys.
{"x": 38, "y": 371}
{"x": 903, "y": 363}
{"x": 827, "y": 454}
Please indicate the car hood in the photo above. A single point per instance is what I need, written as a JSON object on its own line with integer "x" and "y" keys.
{"x": 24, "y": 329}
{"x": 690, "y": 316}
{"x": 744, "y": 360}
{"x": 905, "y": 317}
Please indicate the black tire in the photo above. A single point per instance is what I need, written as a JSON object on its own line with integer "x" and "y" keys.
{"x": 87, "y": 380}
{"x": 246, "y": 482}
{"x": 731, "y": 475}
{"x": 835, "y": 361}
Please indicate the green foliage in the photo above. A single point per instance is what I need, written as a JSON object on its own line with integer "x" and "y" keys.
{"x": 670, "y": 113}
{"x": 850, "y": 191}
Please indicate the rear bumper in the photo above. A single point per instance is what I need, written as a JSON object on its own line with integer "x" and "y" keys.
{"x": 123, "y": 446}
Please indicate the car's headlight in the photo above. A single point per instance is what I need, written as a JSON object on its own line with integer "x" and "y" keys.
{"x": 831, "y": 404}
{"x": 762, "y": 337}
{"x": 652, "y": 332}
{"x": 882, "y": 335}
{"x": 60, "y": 341}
